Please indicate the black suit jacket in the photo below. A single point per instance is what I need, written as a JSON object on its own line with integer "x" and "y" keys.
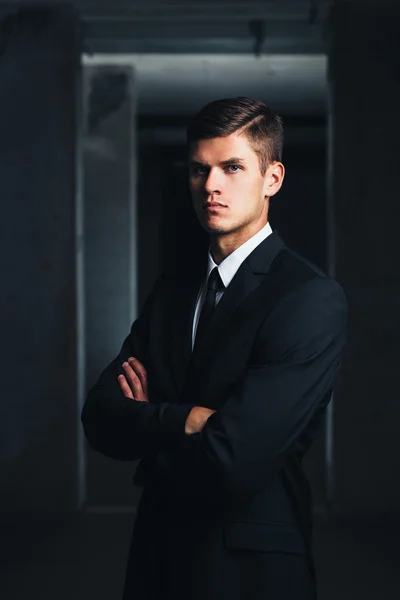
{"x": 267, "y": 365}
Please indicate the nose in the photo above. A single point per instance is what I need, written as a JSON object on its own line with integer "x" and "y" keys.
{"x": 212, "y": 184}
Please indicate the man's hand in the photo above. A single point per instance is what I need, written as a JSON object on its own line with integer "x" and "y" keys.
{"x": 134, "y": 383}
{"x": 197, "y": 418}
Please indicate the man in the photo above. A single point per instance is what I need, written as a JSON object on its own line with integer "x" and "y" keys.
{"x": 221, "y": 385}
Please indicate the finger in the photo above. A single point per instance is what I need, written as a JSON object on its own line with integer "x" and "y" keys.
{"x": 126, "y": 390}
{"x": 133, "y": 381}
{"x": 140, "y": 371}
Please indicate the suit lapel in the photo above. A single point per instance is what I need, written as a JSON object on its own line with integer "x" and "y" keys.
{"x": 246, "y": 280}
{"x": 243, "y": 283}
{"x": 184, "y": 304}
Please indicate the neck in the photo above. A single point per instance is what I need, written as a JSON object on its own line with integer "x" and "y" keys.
{"x": 223, "y": 245}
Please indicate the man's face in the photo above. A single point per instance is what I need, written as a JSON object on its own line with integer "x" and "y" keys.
{"x": 226, "y": 171}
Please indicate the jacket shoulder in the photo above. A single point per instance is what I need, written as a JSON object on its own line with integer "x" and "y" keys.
{"x": 294, "y": 270}
{"x": 294, "y": 276}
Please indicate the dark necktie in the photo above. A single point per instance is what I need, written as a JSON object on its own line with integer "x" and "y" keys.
{"x": 214, "y": 285}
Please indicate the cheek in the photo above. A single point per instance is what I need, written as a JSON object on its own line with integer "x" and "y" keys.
{"x": 236, "y": 185}
{"x": 245, "y": 195}
{"x": 240, "y": 188}
{"x": 194, "y": 188}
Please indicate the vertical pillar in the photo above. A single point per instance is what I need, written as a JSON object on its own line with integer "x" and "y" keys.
{"x": 111, "y": 273}
{"x": 39, "y": 67}
{"x": 364, "y": 66}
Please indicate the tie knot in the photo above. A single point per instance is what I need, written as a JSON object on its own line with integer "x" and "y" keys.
{"x": 214, "y": 281}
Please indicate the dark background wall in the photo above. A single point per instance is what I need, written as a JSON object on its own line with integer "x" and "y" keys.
{"x": 38, "y": 316}
{"x": 365, "y": 94}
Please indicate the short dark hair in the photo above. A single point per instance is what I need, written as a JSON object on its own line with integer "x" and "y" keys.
{"x": 262, "y": 127}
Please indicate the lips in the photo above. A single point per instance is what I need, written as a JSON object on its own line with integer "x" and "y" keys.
{"x": 212, "y": 205}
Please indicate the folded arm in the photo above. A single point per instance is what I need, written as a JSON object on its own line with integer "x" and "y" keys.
{"x": 121, "y": 427}
{"x": 275, "y": 407}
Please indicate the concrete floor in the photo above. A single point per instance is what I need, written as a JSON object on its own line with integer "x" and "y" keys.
{"x": 84, "y": 558}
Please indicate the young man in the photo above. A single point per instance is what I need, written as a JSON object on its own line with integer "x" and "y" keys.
{"x": 221, "y": 385}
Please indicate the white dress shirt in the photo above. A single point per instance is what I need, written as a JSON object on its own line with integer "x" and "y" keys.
{"x": 227, "y": 269}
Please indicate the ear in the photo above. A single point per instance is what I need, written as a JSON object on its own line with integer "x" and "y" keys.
{"x": 273, "y": 179}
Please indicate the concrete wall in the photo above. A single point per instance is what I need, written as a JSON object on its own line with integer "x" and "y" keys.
{"x": 364, "y": 100}
{"x": 38, "y": 409}
{"x": 111, "y": 272}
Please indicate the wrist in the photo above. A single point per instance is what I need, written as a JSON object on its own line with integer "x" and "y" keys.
{"x": 194, "y": 420}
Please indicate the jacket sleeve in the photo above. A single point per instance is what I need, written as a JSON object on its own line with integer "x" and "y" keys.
{"x": 127, "y": 429}
{"x": 274, "y": 408}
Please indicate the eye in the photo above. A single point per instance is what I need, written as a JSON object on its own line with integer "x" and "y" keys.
{"x": 235, "y": 167}
{"x": 198, "y": 170}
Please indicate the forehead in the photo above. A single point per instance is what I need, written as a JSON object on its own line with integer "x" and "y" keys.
{"x": 219, "y": 149}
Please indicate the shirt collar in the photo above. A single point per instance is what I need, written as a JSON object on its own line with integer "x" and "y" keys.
{"x": 228, "y": 267}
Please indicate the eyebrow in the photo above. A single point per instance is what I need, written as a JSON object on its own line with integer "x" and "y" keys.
{"x": 229, "y": 161}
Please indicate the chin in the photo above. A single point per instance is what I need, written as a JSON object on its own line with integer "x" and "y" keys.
{"x": 217, "y": 230}
{"x": 214, "y": 225}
